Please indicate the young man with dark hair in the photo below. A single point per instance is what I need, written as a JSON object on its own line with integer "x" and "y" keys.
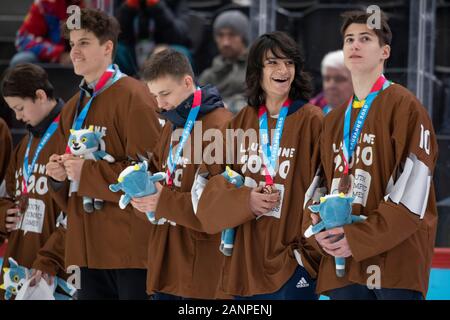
{"x": 183, "y": 261}
{"x": 108, "y": 244}
{"x": 29, "y": 217}
{"x": 381, "y": 149}
{"x": 270, "y": 258}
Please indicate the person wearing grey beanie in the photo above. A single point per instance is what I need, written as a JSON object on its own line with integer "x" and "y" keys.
{"x": 234, "y": 20}
{"x": 227, "y": 72}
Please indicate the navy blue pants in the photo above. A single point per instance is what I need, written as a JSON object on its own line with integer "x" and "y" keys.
{"x": 166, "y": 296}
{"x": 360, "y": 292}
{"x": 112, "y": 284}
{"x": 299, "y": 287}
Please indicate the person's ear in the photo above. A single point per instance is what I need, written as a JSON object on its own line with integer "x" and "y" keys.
{"x": 386, "y": 53}
{"x": 188, "y": 81}
{"x": 109, "y": 47}
{"x": 40, "y": 95}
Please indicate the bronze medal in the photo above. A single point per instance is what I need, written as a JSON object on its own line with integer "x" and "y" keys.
{"x": 23, "y": 202}
{"x": 268, "y": 189}
{"x": 344, "y": 184}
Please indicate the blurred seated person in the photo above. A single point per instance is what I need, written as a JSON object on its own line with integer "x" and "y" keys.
{"x": 146, "y": 23}
{"x": 227, "y": 72}
{"x": 39, "y": 38}
{"x": 336, "y": 82}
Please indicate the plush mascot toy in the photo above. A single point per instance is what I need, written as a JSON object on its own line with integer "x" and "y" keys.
{"x": 227, "y": 237}
{"x": 86, "y": 143}
{"x": 335, "y": 211}
{"x": 16, "y": 276}
{"x": 135, "y": 181}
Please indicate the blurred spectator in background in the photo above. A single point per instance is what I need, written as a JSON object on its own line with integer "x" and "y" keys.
{"x": 39, "y": 38}
{"x": 227, "y": 71}
{"x": 146, "y": 23}
{"x": 336, "y": 82}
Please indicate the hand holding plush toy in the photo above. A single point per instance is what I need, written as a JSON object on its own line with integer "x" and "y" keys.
{"x": 335, "y": 211}
{"x": 135, "y": 181}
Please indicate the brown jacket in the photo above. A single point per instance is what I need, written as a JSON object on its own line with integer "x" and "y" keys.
{"x": 38, "y": 242}
{"x": 5, "y": 154}
{"x": 109, "y": 238}
{"x": 264, "y": 255}
{"x": 5, "y": 148}
{"x": 183, "y": 260}
{"x": 398, "y": 236}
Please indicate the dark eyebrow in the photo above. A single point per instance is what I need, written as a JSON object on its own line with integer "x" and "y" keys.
{"x": 360, "y": 34}
{"x": 277, "y": 58}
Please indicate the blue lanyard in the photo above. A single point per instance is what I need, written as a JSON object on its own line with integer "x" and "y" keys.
{"x": 78, "y": 122}
{"x": 350, "y": 141}
{"x": 27, "y": 169}
{"x": 190, "y": 122}
{"x": 326, "y": 110}
{"x": 270, "y": 153}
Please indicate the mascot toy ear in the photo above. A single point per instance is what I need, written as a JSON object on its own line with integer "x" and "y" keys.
{"x": 114, "y": 187}
{"x": 13, "y": 263}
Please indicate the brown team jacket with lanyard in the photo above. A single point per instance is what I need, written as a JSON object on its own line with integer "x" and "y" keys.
{"x": 39, "y": 240}
{"x": 266, "y": 250}
{"x": 183, "y": 260}
{"x": 391, "y": 174}
{"x": 110, "y": 238}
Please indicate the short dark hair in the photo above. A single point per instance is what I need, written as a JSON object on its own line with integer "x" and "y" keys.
{"x": 384, "y": 33}
{"x": 103, "y": 26}
{"x": 24, "y": 79}
{"x": 282, "y": 46}
{"x": 167, "y": 63}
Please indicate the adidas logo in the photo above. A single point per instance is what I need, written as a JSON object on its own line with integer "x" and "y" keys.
{"x": 302, "y": 283}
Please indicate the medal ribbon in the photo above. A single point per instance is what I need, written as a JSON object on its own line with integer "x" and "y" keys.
{"x": 190, "y": 122}
{"x": 270, "y": 153}
{"x": 350, "y": 141}
{"x": 106, "y": 76}
{"x": 26, "y": 168}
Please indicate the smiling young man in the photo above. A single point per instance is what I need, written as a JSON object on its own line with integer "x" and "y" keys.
{"x": 276, "y": 157}
{"x": 28, "y": 214}
{"x": 108, "y": 244}
{"x": 380, "y": 148}
{"x": 183, "y": 260}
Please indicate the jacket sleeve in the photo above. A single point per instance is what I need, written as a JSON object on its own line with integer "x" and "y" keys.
{"x": 7, "y": 202}
{"x": 176, "y": 206}
{"x": 309, "y": 249}
{"x": 409, "y": 199}
{"x": 96, "y": 176}
{"x": 5, "y": 149}
{"x": 59, "y": 190}
{"x": 317, "y": 189}
{"x": 222, "y": 205}
{"x": 50, "y": 258}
